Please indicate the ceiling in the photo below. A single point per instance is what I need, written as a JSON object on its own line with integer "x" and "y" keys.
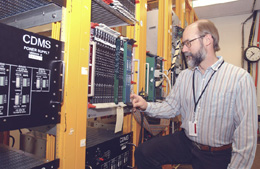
{"x": 239, "y": 7}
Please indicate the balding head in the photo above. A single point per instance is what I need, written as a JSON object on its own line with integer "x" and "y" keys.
{"x": 204, "y": 27}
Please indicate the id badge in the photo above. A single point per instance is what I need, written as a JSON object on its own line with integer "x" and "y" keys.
{"x": 193, "y": 128}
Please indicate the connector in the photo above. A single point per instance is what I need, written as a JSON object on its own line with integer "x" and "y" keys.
{"x": 157, "y": 73}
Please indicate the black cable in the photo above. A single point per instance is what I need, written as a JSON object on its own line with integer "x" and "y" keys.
{"x": 20, "y": 131}
{"x": 142, "y": 126}
{"x": 173, "y": 79}
{"x": 251, "y": 37}
{"x": 243, "y": 38}
{"x": 13, "y": 140}
{"x": 253, "y": 8}
{"x": 252, "y": 32}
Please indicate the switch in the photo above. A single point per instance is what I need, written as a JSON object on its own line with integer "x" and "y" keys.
{"x": 17, "y": 82}
{"x": 38, "y": 83}
{"x": 25, "y": 81}
{"x": 44, "y": 82}
{"x": 2, "y": 80}
{"x": 17, "y": 99}
{"x": 1, "y": 99}
{"x": 24, "y": 99}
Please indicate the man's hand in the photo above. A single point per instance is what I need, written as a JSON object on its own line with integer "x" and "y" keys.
{"x": 138, "y": 102}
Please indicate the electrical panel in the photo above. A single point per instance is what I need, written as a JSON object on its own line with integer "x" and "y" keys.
{"x": 153, "y": 64}
{"x": 31, "y": 74}
{"x": 110, "y": 66}
{"x": 107, "y": 150}
{"x": 127, "y": 77}
{"x": 159, "y": 79}
{"x": 119, "y": 71}
{"x": 102, "y": 73}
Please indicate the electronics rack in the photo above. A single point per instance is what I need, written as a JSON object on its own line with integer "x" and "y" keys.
{"x": 154, "y": 64}
{"x": 105, "y": 149}
{"x": 110, "y": 66}
{"x": 159, "y": 88}
{"x": 103, "y": 58}
{"x": 28, "y": 18}
{"x": 31, "y": 71}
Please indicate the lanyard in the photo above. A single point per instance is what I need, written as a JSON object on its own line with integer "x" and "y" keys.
{"x": 193, "y": 87}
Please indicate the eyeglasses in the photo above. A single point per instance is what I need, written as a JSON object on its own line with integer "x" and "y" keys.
{"x": 188, "y": 42}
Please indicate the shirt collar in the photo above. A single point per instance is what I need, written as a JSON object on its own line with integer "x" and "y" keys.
{"x": 216, "y": 65}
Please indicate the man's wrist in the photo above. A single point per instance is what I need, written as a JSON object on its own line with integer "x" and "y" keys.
{"x": 147, "y": 107}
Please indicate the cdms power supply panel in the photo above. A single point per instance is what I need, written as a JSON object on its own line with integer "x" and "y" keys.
{"x": 31, "y": 73}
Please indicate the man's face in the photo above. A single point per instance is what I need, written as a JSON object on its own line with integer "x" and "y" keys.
{"x": 194, "y": 59}
{"x": 193, "y": 47}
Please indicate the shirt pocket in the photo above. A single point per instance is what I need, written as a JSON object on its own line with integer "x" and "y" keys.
{"x": 222, "y": 104}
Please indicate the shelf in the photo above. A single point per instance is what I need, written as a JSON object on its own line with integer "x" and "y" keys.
{"x": 103, "y": 13}
{"x": 17, "y": 159}
{"x": 106, "y": 109}
{"x": 25, "y": 14}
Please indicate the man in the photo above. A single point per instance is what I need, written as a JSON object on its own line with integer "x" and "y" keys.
{"x": 217, "y": 102}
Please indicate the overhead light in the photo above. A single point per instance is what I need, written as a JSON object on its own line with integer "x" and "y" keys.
{"x": 198, "y": 3}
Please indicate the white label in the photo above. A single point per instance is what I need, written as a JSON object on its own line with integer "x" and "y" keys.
{"x": 84, "y": 71}
{"x": 35, "y": 57}
{"x": 83, "y": 143}
{"x": 119, "y": 119}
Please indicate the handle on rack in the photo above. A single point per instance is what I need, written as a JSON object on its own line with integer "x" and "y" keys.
{"x": 147, "y": 78}
{"x": 63, "y": 82}
{"x": 62, "y": 74}
{"x": 94, "y": 45}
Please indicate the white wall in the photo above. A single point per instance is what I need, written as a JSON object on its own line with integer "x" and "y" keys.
{"x": 230, "y": 32}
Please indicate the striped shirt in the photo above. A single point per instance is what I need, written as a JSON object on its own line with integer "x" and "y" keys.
{"x": 226, "y": 112}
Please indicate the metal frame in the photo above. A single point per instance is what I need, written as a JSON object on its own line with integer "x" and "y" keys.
{"x": 103, "y": 13}
{"x": 35, "y": 17}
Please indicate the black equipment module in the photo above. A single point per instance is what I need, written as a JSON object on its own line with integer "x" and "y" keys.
{"x": 107, "y": 150}
{"x": 31, "y": 73}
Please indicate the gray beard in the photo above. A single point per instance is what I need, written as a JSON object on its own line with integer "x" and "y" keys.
{"x": 196, "y": 58}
